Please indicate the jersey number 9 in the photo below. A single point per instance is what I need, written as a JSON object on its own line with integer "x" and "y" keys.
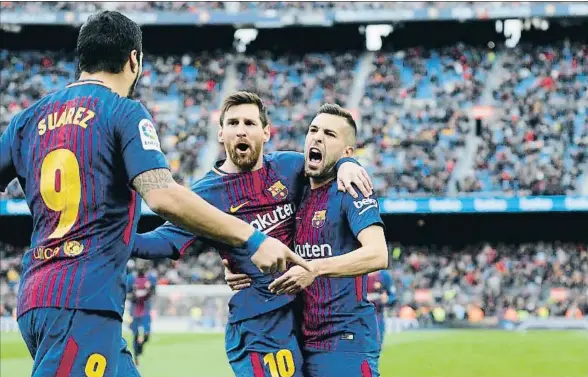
{"x": 96, "y": 365}
{"x": 61, "y": 188}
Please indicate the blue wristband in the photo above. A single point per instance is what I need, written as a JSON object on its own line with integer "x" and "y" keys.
{"x": 254, "y": 241}
{"x": 344, "y": 160}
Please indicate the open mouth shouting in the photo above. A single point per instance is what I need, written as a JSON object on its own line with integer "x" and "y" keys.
{"x": 315, "y": 157}
{"x": 242, "y": 148}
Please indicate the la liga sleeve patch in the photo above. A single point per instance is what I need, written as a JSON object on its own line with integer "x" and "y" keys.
{"x": 149, "y": 138}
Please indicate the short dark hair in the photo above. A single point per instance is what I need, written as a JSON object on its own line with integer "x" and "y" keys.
{"x": 105, "y": 42}
{"x": 244, "y": 98}
{"x": 334, "y": 109}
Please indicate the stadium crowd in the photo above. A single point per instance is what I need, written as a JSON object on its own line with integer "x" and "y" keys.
{"x": 540, "y": 140}
{"x": 232, "y": 6}
{"x": 413, "y": 116}
{"x": 530, "y": 278}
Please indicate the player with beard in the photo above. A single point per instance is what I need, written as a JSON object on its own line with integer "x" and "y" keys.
{"x": 343, "y": 237}
{"x": 81, "y": 155}
{"x": 264, "y": 191}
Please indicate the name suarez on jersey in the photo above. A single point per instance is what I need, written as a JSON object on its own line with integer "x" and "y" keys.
{"x": 77, "y": 116}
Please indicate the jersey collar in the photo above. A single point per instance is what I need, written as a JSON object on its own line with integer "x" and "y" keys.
{"x": 86, "y": 82}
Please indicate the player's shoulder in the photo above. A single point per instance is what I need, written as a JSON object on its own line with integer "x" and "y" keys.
{"x": 131, "y": 107}
{"x": 211, "y": 181}
{"x": 283, "y": 157}
{"x": 360, "y": 202}
{"x": 21, "y": 117}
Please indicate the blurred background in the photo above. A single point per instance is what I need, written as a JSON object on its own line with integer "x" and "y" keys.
{"x": 472, "y": 121}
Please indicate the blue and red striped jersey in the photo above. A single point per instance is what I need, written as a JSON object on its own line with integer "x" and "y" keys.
{"x": 266, "y": 199}
{"x": 142, "y": 289}
{"x": 337, "y": 315}
{"x": 75, "y": 153}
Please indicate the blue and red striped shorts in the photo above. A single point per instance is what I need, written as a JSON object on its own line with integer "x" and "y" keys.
{"x": 265, "y": 346}
{"x": 76, "y": 343}
{"x": 338, "y": 364}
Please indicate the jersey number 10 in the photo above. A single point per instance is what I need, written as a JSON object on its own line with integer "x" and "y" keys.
{"x": 281, "y": 364}
{"x": 61, "y": 188}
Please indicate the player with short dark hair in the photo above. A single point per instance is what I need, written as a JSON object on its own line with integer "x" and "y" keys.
{"x": 81, "y": 155}
{"x": 343, "y": 237}
{"x": 141, "y": 287}
{"x": 263, "y": 190}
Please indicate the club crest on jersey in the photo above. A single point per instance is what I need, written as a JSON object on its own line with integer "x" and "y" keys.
{"x": 73, "y": 248}
{"x": 319, "y": 218}
{"x": 148, "y": 135}
{"x": 278, "y": 190}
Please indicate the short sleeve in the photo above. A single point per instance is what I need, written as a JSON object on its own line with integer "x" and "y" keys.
{"x": 139, "y": 143}
{"x": 361, "y": 212}
{"x": 7, "y": 168}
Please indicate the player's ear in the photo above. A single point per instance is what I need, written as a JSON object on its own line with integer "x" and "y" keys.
{"x": 220, "y": 134}
{"x": 134, "y": 61}
{"x": 348, "y": 151}
{"x": 267, "y": 133}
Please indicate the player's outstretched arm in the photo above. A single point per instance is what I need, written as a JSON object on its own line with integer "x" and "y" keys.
{"x": 371, "y": 256}
{"x": 181, "y": 206}
{"x": 153, "y": 246}
{"x": 188, "y": 210}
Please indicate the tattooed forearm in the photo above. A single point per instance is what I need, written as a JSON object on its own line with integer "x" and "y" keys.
{"x": 152, "y": 179}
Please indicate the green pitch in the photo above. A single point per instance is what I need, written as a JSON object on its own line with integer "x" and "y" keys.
{"x": 410, "y": 354}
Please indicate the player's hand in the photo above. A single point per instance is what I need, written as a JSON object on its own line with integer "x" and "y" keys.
{"x": 349, "y": 174}
{"x": 236, "y": 282}
{"x": 293, "y": 281}
{"x": 273, "y": 256}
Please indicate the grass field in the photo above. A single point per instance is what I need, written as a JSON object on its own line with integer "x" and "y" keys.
{"x": 410, "y": 354}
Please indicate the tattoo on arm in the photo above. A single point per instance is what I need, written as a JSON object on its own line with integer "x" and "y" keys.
{"x": 152, "y": 179}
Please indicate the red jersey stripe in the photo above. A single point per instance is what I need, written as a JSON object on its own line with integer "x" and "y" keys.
{"x": 129, "y": 228}
{"x": 257, "y": 365}
{"x": 366, "y": 371}
{"x": 67, "y": 360}
{"x": 186, "y": 245}
{"x": 359, "y": 288}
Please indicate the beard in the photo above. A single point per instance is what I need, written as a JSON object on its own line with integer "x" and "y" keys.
{"x": 245, "y": 161}
{"x": 327, "y": 171}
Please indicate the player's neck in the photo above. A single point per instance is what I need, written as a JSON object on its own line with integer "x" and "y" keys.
{"x": 230, "y": 167}
{"x": 110, "y": 80}
{"x": 316, "y": 183}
